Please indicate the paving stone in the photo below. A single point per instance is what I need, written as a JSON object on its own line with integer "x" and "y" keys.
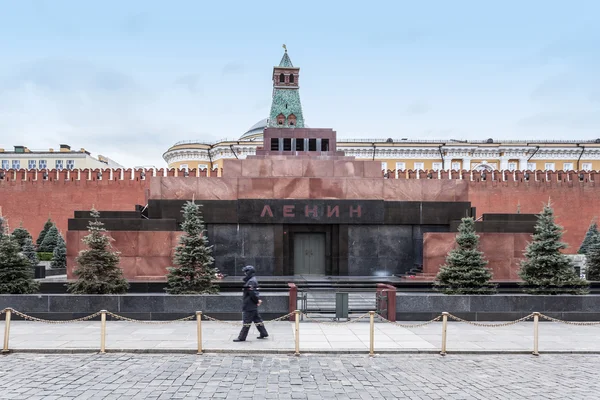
{"x": 139, "y": 376}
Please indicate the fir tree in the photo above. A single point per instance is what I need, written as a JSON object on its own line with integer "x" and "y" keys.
{"x": 29, "y": 252}
{"x": 59, "y": 256}
{"x": 3, "y": 228}
{"x": 465, "y": 270}
{"x": 97, "y": 268}
{"x": 16, "y": 273}
{"x": 193, "y": 272}
{"x": 545, "y": 269}
{"x": 42, "y": 235}
{"x": 589, "y": 238}
{"x": 50, "y": 240}
{"x": 21, "y": 234}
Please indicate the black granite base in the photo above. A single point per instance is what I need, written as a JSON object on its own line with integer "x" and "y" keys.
{"x": 499, "y": 307}
{"x": 144, "y": 307}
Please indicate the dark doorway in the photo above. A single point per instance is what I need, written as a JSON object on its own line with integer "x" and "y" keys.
{"x": 309, "y": 254}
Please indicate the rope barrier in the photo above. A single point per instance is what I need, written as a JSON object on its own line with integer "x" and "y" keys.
{"x": 411, "y": 325}
{"x": 569, "y": 322}
{"x": 527, "y": 317}
{"x": 46, "y": 321}
{"x": 212, "y": 319}
{"x": 120, "y": 317}
{"x": 336, "y": 323}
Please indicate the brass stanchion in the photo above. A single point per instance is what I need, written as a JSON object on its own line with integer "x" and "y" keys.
{"x": 536, "y": 321}
{"x": 372, "y": 333}
{"x": 6, "y": 330}
{"x": 103, "y": 331}
{"x": 199, "y": 321}
{"x": 297, "y": 353}
{"x": 444, "y": 328}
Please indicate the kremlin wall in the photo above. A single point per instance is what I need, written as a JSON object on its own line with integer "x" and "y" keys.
{"x": 25, "y": 197}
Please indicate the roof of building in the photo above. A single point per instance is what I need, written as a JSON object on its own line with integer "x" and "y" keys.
{"x": 285, "y": 61}
{"x": 256, "y": 129}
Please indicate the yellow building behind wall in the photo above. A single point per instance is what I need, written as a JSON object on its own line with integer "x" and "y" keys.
{"x": 22, "y": 157}
{"x": 405, "y": 154}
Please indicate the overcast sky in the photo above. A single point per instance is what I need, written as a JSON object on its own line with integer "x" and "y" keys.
{"x": 127, "y": 79}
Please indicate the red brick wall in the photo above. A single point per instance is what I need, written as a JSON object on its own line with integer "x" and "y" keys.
{"x": 574, "y": 203}
{"x": 504, "y": 252}
{"x": 32, "y": 202}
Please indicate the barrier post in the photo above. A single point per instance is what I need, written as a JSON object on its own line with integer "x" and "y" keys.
{"x": 6, "y": 330}
{"x": 103, "y": 331}
{"x": 372, "y": 333}
{"x": 199, "y": 322}
{"x": 444, "y": 328}
{"x": 536, "y": 320}
{"x": 297, "y": 353}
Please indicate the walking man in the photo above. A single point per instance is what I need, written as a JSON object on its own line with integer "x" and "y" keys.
{"x": 251, "y": 301}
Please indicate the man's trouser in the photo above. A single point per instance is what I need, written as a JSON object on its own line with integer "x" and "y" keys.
{"x": 249, "y": 317}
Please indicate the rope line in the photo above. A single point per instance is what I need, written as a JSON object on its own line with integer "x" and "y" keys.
{"x": 410, "y": 325}
{"x": 525, "y": 318}
{"x": 568, "y": 322}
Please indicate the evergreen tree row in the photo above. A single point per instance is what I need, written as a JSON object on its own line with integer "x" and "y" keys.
{"x": 545, "y": 269}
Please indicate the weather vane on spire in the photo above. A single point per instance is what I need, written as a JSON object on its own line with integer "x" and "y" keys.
{"x": 285, "y": 48}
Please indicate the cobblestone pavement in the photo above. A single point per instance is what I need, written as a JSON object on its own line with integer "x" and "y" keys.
{"x": 129, "y": 376}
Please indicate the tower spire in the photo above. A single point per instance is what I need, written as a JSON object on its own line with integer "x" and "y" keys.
{"x": 286, "y": 110}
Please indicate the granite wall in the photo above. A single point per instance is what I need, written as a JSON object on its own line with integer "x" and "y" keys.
{"x": 386, "y": 249}
{"x": 499, "y": 307}
{"x": 143, "y": 306}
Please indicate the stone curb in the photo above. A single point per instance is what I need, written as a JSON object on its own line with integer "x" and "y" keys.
{"x": 291, "y": 352}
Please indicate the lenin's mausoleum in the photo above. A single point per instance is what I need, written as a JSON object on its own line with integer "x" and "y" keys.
{"x": 300, "y": 206}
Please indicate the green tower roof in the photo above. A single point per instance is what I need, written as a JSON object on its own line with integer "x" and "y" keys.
{"x": 285, "y": 61}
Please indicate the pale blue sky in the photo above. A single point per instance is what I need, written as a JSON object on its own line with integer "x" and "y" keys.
{"x": 127, "y": 79}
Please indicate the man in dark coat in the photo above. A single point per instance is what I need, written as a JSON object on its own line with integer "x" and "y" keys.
{"x": 251, "y": 301}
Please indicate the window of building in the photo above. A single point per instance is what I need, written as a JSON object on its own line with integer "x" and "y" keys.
{"x": 280, "y": 119}
{"x": 5, "y": 164}
{"x": 59, "y": 164}
{"x": 299, "y": 144}
{"x": 43, "y": 164}
{"x": 281, "y": 78}
{"x": 287, "y": 144}
{"x": 436, "y": 166}
{"x": 292, "y": 120}
{"x": 549, "y": 166}
{"x": 568, "y": 166}
{"x": 70, "y": 165}
{"x": 31, "y": 164}
{"x": 531, "y": 166}
{"x": 202, "y": 166}
{"x": 312, "y": 144}
{"x": 384, "y": 166}
{"x": 400, "y": 166}
{"x": 324, "y": 144}
{"x": 586, "y": 166}
{"x": 16, "y": 164}
{"x": 274, "y": 144}
{"x": 455, "y": 166}
{"x": 419, "y": 166}
{"x": 512, "y": 166}
{"x": 291, "y": 78}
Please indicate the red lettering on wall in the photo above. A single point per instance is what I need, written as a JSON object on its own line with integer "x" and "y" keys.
{"x": 313, "y": 211}
{"x": 288, "y": 211}
{"x": 335, "y": 210}
{"x": 356, "y": 210}
{"x": 266, "y": 210}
